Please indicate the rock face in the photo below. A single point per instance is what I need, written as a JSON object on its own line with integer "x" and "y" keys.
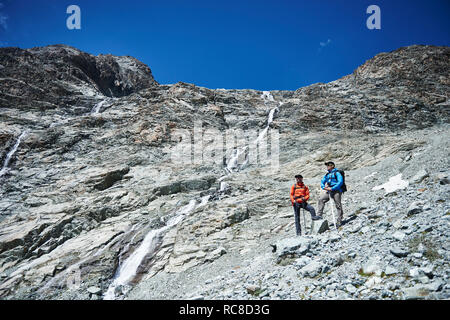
{"x": 62, "y": 77}
{"x": 116, "y": 170}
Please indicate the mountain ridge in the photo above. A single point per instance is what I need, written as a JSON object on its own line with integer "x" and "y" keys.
{"x": 93, "y": 180}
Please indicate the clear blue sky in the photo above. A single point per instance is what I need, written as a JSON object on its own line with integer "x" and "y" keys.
{"x": 256, "y": 44}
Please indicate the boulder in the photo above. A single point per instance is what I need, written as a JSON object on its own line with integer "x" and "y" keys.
{"x": 311, "y": 270}
{"x": 293, "y": 247}
{"x": 419, "y": 176}
{"x": 418, "y": 292}
{"x": 399, "y": 252}
{"x": 372, "y": 266}
{"x": 398, "y": 235}
{"x": 414, "y": 208}
{"x": 389, "y": 271}
{"x": 94, "y": 290}
{"x": 319, "y": 226}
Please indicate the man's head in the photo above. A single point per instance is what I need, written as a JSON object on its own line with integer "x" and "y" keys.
{"x": 330, "y": 165}
{"x": 299, "y": 178}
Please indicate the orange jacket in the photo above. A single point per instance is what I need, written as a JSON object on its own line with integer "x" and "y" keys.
{"x": 298, "y": 191}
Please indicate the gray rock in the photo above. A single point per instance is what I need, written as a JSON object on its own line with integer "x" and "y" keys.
{"x": 428, "y": 270}
{"x": 215, "y": 254}
{"x": 398, "y": 235}
{"x": 436, "y": 285}
{"x": 442, "y": 178}
{"x": 312, "y": 269}
{"x": 334, "y": 238}
{"x": 319, "y": 226}
{"x": 94, "y": 290}
{"x": 399, "y": 252}
{"x": 372, "y": 266}
{"x": 252, "y": 289}
{"x": 295, "y": 246}
{"x": 418, "y": 292}
{"x": 356, "y": 228}
{"x": 197, "y": 297}
{"x": 414, "y": 208}
{"x": 419, "y": 176}
{"x": 390, "y": 271}
{"x": 302, "y": 261}
{"x": 350, "y": 288}
{"x": 416, "y": 272}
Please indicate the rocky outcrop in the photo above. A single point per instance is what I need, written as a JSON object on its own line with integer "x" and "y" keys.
{"x": 59, "y": 76}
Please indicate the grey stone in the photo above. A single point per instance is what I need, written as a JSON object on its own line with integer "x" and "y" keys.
{"x": 302, "y": 261}
{"x": 217, "y": 253}
{"x": 390, "y": 271}
{"x": 372, "y": 266}
{"x": 418, "y": 292}
{"x": 414, "y": 208}
{"x": 436, "y": 285}
{"x": 312, "y": 269}
{"x": 428, "y": 270}
{"x": 94, "y": 290}
{"x": 197, "y": 297}
{"x": 334, "y": 238}
{"x": 350, "y": 288}
{"x": 416, "y": 272}
{"x": 319, "y": 226}
{"x": 292, "y": 246}
{"x": 398, "y": 235}
{"x": 399, "y": 252}
{"x": 419, "y": 176}
{"x": 252, "y": 289}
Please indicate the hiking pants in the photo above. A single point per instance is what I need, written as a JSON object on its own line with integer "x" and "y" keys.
{"x": 337, "y": 196}
{"x": 297, "y": 207}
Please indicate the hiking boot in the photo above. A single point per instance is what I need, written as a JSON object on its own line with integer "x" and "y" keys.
{"x": 316, "y": 218}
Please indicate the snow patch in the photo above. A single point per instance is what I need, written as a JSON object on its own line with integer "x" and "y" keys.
{"x": 395, "y": 183}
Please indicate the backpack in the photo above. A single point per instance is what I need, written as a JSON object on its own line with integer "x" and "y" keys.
{"x": 344, "y": 186}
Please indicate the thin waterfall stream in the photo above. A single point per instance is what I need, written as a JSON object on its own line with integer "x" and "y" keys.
{"x": 232, "y": 164}
{"x": 127, "y": 271}
{"x": 11, "y": 153}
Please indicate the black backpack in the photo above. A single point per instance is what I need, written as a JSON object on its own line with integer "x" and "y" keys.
{"x": 344, "y": 186}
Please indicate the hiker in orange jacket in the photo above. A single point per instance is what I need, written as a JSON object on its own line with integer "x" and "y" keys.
{"x": 299, "y": 198}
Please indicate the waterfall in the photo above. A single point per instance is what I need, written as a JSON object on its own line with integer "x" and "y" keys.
{"x": 233, "y": 162}
{"x": 11, "y": 153}
{"x": 128, "y": 269}
{"x": 97, "y": 107}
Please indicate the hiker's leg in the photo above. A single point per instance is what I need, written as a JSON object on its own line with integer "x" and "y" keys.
{"x": 298, "y": 229}
{"x": 322, "y": 200}
{"x": 337, "y": 197}
{"x": 310, "y": 209}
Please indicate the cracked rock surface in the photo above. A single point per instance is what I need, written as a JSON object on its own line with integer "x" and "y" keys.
{"x": 100, "y": 169}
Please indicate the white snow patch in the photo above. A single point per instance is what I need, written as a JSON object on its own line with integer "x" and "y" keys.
{"x": 395, "y": 183}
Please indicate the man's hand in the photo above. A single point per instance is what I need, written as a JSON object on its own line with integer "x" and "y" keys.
{"x": 303, "y": 199}
{"x": 327, "y": 188}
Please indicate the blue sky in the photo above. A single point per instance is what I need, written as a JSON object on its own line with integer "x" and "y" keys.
{"x": 255, "y": 44}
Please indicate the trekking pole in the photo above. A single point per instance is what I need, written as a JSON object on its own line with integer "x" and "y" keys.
{"x": 332, "y": 211}
{"x": 304, "y": 220}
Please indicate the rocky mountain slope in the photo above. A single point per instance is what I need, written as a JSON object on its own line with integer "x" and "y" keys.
{"x": 122, "y": 188}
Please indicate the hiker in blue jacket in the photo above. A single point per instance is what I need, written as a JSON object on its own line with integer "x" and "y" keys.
{"x": 332, "y": 183}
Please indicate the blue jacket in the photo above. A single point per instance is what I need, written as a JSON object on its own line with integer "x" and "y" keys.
{"x": 334, "y": 183}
